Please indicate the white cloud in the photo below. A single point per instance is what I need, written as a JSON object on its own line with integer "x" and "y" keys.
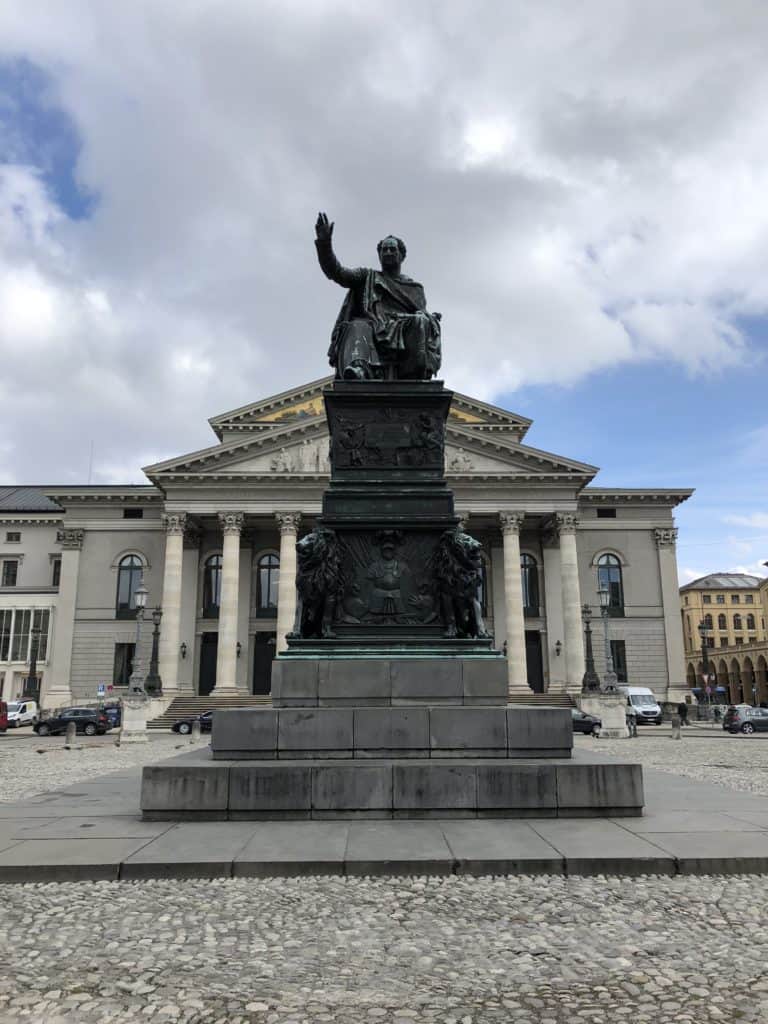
{"x": 758, "y": 520}
{"x": 576, "y": 192}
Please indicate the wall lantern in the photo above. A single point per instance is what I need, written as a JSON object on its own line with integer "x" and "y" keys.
{"x": 238, "y": 648}
{"x": 558, "y": 648}
{"x": 183, "y": 651}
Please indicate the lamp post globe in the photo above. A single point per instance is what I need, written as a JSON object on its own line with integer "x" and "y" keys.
{"x": 136, "y": 683}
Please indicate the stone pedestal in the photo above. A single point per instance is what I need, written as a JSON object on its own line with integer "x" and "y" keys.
{"x": 610, "y": 708}
{"x": 135, "y": 712}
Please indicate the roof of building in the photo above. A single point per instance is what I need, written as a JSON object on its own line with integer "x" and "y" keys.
{"x": 26, "y": 499}
{"x": 725, "y": 581}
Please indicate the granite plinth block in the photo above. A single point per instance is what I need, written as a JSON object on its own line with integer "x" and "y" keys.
{"x": 390, "y": 788}
{"x": 371, "y": 681}
{"x": 412, "y": 731}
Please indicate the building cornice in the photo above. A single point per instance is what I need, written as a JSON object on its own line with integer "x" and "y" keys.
{"x": 632, "y": 495}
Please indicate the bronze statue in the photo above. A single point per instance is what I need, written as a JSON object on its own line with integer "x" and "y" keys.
{"x": 383, "y": 330}
{"x": 457, "y": 569}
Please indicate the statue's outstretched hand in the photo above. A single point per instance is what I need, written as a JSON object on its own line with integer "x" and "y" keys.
{"x": 323, "y": 228}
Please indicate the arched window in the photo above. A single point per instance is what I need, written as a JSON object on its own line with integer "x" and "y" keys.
{"x": 737, "y": 621}
{"x": 267, "y": 578}
{"x": 212, "y": 586}
{"x": 129, "y": 572}
{"x": 750, "y": 621}
{"x": 721, "y": 621}
{"x": 708, "y": 621}
{"x": 530, "y": 574}
{"x": 609, "y": 578}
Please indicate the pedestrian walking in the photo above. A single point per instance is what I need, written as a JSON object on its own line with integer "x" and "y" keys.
{"x": 682, "y": 710}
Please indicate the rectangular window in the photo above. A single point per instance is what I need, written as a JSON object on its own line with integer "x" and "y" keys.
{"x": 720, "y": 598}
{"x": 133, "y": 513}
{"x": 56, "y": 572}
{"x": 20, "y": 639}
{"x": 13, "y": 537}
{"x": 749, "y": 599}
{"x": 606, "y": 513}
{"x": 6, "y": 622}
{"x": 709, "y": 641}
{"x": 619, "y": 655}
{"x": 686, "y": 599}
{"x": 739, "y": 640}
{"x": 123, "y": 664}
{"x": 41, "y": 620}
{"x": 707, "y": 599}
{"x": 10, "y": 573}
{"x": 723, "y": 641}
{"x": 735, "y": 599}
{"x": 751, "y": 639}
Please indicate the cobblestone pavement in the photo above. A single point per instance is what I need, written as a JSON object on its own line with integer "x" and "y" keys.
{"x": 387, "y": 951}
{"x": 30, "y": 765}
{"x": 737, "y": 761}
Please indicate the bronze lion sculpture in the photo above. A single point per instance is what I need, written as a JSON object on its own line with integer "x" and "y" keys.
{"x": 457, "y": 571}
{"x": 319, "y": 582}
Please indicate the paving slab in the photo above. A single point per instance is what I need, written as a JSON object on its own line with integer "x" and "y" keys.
{"x": 293, "y": 848}
{"x": 66, "y": 860}
{"x": 398, "y": 848}
{"x": 715, "y": 853}
{"x": 687, "y": 821}
{"x": 604, "y": 847}
{"x": 199, "y": 850}
{"x": 501, "y": 848}
{"x": 113, "y": 826}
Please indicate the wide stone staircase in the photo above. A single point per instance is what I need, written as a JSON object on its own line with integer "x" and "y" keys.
{"x": 543, "y": 700}
{"x": 188, "y": 707}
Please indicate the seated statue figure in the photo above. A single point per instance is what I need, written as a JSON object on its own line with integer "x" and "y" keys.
{"x": 383, "y": 330}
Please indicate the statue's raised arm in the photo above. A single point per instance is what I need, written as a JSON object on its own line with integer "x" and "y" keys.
{"x": 383, "y": 330}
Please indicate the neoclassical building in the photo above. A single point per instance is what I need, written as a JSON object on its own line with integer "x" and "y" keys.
{"x": 212, "y": 536}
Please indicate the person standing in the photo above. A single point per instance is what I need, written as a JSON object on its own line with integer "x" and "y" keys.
{"x": 682, "y": 710}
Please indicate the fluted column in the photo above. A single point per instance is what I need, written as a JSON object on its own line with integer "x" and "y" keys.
{"x": 517, "y": 673}
{"x": 666, "y": 540}
{"x": 286, "y": 584}
{"x": 575, "y": 664}
{"x": 226, "y": 658}
{"x": 170, "y": 633}
{"x": 57, "y": 687}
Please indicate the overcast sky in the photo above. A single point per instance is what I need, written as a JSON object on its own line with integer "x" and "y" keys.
{"x": 583, "y": 189}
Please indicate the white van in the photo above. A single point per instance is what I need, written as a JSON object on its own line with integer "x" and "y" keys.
{"x": 21, "y": 712}
{"x": 647, "y": 708}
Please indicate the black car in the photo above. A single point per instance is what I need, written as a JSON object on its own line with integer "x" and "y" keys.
{"x": 184, "y": 725}
{"x": 588, "y": 724}
{"x": 87, "y": 720}
{"x": 114, "y": 714}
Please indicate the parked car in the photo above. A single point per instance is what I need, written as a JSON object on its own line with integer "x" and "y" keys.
{"x": 3, "y": 716}
{"x": 184, "y": 725}
{"x": 731, "y": 707}
{"x": 22, "y": 712}
{"x": 588, "y": 724}
{"x": 87, "y": 720}
{"x": 746, "y": 719}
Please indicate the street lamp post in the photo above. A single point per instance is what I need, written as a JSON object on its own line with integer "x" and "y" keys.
{"x": 591, "y": 681}
{"x": 135, "y": 683}
{"x": 610, "y": 676}
{"x": 153, "y": 684}
{"x": 703, "y": 630}
{"x": 32, "y": 685}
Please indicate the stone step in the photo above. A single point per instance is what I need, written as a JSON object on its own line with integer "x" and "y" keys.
{"x": 542, "y": 700}
{"x": 187, "y": 707}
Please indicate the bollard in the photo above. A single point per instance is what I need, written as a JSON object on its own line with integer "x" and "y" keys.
{"x": 194, "y": 734}
{"x": 71, "y": 734}
{"x": 675, "y": 727}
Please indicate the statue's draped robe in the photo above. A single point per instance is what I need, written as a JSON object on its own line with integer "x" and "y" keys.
{"x": 383, "y": 320}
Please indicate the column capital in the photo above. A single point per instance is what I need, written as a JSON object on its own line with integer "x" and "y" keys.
{"x": 566, "y": 522}
{"x": 511, "y": 522}
{"x": 70, "y": 540}
{"x": 231, "y": 522}
{"x": 288, "y": 522}
{"x": 175, "y": 523}
{"x": 666, "y": 538}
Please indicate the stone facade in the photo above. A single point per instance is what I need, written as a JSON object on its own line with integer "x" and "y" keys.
{"x": 213, "y": 535}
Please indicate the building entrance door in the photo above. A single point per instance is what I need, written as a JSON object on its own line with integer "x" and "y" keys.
{"x": 535, "y": 667}
{"x": 209, "y": 646}
{"x": 263, "y": 653}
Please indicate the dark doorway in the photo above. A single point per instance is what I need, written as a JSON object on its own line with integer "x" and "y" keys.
{"x": 209, "y": 647}
{"x": 263, "y": 653}
{"x": 533, "y": 660}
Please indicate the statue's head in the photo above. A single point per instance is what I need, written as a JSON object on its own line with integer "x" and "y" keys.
{"x": 391, "y": 252}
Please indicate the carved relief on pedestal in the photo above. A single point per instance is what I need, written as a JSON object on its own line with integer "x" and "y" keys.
{"x": 387, "y": 437}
